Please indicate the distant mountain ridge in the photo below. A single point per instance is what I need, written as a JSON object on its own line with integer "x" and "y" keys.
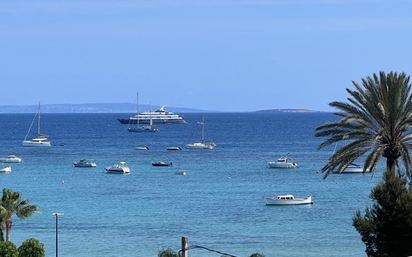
{"x": 91, "y": 108}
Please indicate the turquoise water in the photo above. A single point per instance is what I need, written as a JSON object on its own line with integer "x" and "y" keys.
{"x": 217, "y": 205}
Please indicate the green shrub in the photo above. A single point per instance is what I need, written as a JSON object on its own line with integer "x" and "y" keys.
{"x": 167, "y": 253}
{"x": 8, "y": 249}
{"x": 31, "y": 248}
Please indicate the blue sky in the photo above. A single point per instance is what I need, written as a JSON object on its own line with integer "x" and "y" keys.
{"x": 213, "y": 54}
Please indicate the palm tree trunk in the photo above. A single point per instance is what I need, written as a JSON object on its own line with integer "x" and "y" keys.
{"x": 9, "y": 223}
{"x": 390, "y": 165}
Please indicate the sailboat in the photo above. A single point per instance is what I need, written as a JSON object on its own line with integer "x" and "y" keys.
{"x": 138, "y": 128}
{"x": 41, "y": 139}
{"x": 352, "y": 167}
{"x": 203, "y": 144}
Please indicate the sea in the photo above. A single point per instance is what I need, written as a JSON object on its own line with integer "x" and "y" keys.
{"x": 218, "y": 205}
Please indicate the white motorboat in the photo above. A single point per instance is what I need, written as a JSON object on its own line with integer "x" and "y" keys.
{"x": 159, "y": 116}
{"x": 120, "y": 168}
{"x": 41, "y": 140}
{"x": 141, "y": 148}
{"x": 11, "y": 159}
{"x": 283, "y": 163}
{"x": 6, "y": 169}
{"x": 287, "y": 200}
{"x": 84, "y": 163}
{"x": 203, "y": 144}
{"x": 161, "y": 164}
{"x": 174, "y": 148}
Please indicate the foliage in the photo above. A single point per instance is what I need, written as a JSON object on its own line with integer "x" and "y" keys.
{"x": 386, "y": 228}
{"x": 12, "y": 203}
{"x": 375, "y": 121}
{"x": 8, "y": 249}
{"x": 31, "y": 248}
{"x": 257, "y": 255}
{"x": 167, "y": 253}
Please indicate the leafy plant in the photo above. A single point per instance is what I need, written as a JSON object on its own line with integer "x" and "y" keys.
{"x": 31, "y": 248}
{"x": 8, "y": 249}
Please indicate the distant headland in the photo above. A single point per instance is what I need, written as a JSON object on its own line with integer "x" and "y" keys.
{"x": 116, "y": 108}
{"x": 286, "y": 110}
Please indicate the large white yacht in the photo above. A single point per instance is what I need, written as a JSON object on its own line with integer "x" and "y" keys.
{"x": 159, "y": 116}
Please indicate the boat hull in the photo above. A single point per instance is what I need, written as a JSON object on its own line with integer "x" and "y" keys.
{"x": 161, "y": 164}
{"x": 5, "y": 169}
{"x": 36, "y": 144}
{"x": 13, "y": 159}
{"x": 154, "y": 121}
{"x": 353, "y": 169}
{"x": 174, "y": 148}
{"x": 199, "y": 146}
{"x": 296, "y": 201}
{"x": 280, "y": 165}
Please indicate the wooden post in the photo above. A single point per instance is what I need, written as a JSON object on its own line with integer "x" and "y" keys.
{"x": 184, "y": 247}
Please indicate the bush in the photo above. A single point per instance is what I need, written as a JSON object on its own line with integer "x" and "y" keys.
{"x": 8, "y": 249}
{"x": 31, "y": 248}
{"x": 257, "y": 255}
{"x": 167, "y": 253}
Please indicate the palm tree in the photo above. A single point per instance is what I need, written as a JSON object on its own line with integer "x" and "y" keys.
{"x": 376, "y": 120}
{"x": 12, "y": 203}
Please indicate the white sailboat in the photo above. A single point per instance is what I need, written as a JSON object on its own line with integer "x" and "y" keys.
{"x": 203, "y": 144}
{"x": 41, "y": 139}
{"x": 138, "y": 128}
{"x": 352, "y": 167}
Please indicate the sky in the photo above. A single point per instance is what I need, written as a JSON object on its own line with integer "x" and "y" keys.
{"x": 221, "y": 55}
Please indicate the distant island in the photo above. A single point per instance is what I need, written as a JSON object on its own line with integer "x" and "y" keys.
{"x": 90, "y": 108}
{"x": 129, "y": 108}
{"x": 286, "y": 110}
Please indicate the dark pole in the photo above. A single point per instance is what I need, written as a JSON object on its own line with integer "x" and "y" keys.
{"x": 57, "y": 238}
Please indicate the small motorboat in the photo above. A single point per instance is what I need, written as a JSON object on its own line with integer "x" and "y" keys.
{"x": 174, "y": 148}
{"x": 84, "y": 163}
{"x": 6, "y": 169}
{"x": 161, "y": 164}
{"x": 283, "y": 163}
{"x": 287, "y": 200}
{"x": 118, "y": 168}
{"x": 181, "y": 172}
{"x": 142, "y": 148}
{"x": 11, "y": 159}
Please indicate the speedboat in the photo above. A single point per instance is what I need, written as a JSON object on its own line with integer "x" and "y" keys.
{"x": 84, "y": 163}
{"x": 6, "y": 169}
{"x": 159, "y": 116}
{"x": 174, "y": 148}
{"x": 118, "y": 168}
{"x": 161, "y": 164}
{"x": 283, "y": 163}
{"x": 287, "y": 200}
{"x": 141, "y": 148}
{"x": 11, "y": 159}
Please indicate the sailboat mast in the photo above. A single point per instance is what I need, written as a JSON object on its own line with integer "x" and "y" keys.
{"x": 137, "y": 99}
{"x": 151, "y": 122}
{"x": 203, "y": 128}
{"x": 38, "y": 124}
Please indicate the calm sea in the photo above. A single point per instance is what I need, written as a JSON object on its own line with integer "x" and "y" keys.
{"x": 217, "y": 205}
